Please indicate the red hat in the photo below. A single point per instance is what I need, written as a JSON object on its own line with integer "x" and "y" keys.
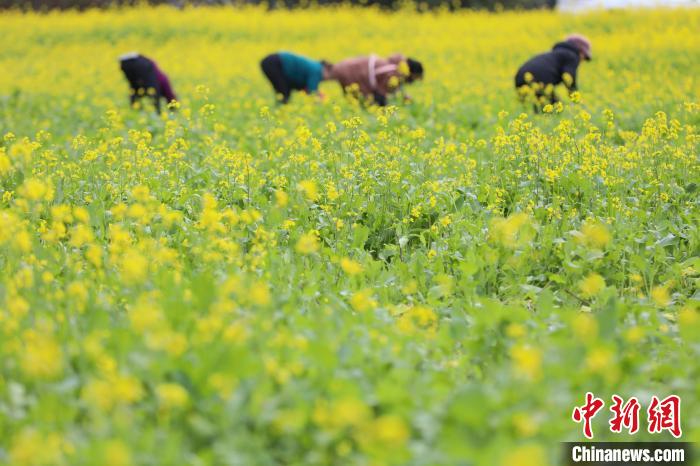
{"x": 581, "y": 43}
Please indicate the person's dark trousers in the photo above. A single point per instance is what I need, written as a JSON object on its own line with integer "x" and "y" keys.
{"x": 142, "y": 77}
{"x": 380, "y": 99}
{"x": 272, "y": 68}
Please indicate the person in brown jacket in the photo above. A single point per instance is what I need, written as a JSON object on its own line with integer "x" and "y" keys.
{"x": 375, "y": 77}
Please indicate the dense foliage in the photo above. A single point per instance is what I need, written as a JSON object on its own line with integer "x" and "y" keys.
{"x": 435, "y": 284}
{"x": 46, "y": 5}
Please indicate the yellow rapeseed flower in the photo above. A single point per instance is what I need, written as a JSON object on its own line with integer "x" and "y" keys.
{"x": 35, "y": 189}
{"x": 31, "y": 448}
{"x": 660, "y": 296}
{"x": 389, "y": 431}
{"x": 134, "y": 267}
{"x": 599, "y": 359}
{"x": 172, "y": 396}
{"x": 350, "y": 266}
{"x": 307, "y": 243}
{"x": 591, "y": 285}
{"x": 362, "y": 301}
{"x": 585, "y": 327}
{"x": 527, "y": 361}
{"x": 259, "y": 294}
{"x": 350, "y": 412}
{"x": 595, "y": 234}
{"x": 309, "y": 189}
{"x": 116, "y": 453}
{"x": 281, "y": 198}
{"x": 42, "y": 356}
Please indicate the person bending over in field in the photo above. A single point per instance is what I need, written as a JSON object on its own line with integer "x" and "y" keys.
{"x": 289, "y": 72}
{"x": 146, "y": 79}
{"x": 540, "y": 74}
{"x": 376, "y": 78}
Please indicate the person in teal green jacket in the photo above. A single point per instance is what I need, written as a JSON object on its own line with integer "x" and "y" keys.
{"x": 289, "y": 72}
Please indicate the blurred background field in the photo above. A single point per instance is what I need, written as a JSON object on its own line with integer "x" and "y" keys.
{"x": 439, "y": 283}
{"x": 51, "y": 62}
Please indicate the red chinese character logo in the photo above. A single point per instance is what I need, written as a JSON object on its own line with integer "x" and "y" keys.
{"x": 587, "y": 412}
{"x": 665, "y": 415}
{"x": 626, "y": 416}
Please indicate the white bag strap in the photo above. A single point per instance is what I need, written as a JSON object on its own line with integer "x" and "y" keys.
{"x": 372, "y": 72}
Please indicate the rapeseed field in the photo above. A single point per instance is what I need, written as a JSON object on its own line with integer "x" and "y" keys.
{"x": 434, "y": 283}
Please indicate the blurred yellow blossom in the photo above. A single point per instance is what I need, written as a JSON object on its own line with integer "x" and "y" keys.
{"x": 591, "y": 285}
{"x": 350, "y": 266}
{"x": 172, "y": 396}
{"x": 307, "y": 243}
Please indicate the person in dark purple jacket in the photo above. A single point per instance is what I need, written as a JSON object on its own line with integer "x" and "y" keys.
{"x": 145, "y": 78}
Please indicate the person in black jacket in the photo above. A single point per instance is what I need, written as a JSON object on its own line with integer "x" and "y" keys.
{"x": 146, "y": 79}
{"x": 541, "y": 73}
